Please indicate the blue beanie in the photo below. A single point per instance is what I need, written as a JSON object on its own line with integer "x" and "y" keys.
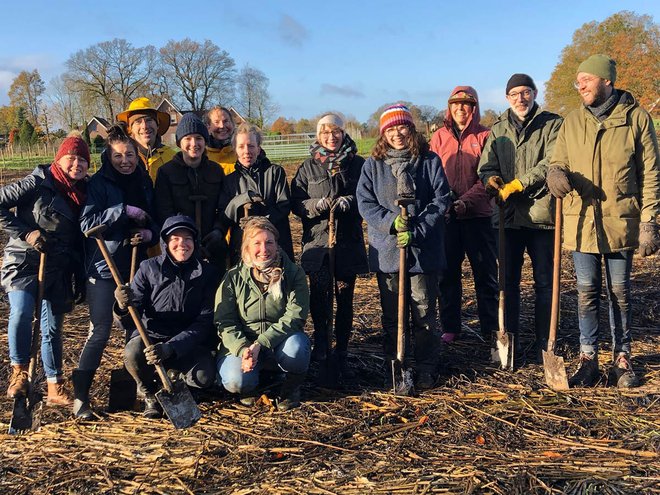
{"x": 191, "y": 124}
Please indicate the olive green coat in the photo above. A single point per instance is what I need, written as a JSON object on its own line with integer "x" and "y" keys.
{"x": 614, "y": 166}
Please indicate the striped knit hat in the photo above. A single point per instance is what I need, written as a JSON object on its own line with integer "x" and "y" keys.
{"x": 396, "y": 115}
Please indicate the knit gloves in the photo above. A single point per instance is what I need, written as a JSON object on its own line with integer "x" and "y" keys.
{"x": 649, "y": 238}
{"x": 558, "y": 182}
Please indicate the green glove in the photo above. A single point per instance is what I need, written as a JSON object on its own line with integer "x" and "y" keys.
{"x": 401, "y": 224}
{"x": 403, "y": 239}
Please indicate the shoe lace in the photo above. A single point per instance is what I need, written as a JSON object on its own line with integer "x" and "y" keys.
{"x": 623, "y": 362}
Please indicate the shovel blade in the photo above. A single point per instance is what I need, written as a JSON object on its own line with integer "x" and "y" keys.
{"x": 555, "y": 371}
{"x": 21, "y": 419}
{"x": 502, "y": 351}
{"x": 123, "y": 391}
{"x": 180, "y": 407}
{"x": 402, "y": 379}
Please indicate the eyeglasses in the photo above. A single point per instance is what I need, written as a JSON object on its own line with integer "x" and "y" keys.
{"x": 584, "y": 81}
{"x": 397, "y": 129}
{"x": 525, "y": 93}
{"x": 335, "y": 132}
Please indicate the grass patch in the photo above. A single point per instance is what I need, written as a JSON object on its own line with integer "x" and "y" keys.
{"x": 29, "y": 162}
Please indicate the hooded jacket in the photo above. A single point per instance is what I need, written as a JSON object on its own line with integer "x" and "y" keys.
{"x": 614, "y": 167}
{"x": 159, "y": 156}
{"x": 460, "y": 158}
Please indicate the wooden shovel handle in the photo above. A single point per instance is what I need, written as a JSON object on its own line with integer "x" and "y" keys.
{"x": 402, "y": 312}
{"x": 134, "y": 256}
{"x": 36, "y": 329}
{"x": 501, "y": 273}
{"x": 556, "y": 277}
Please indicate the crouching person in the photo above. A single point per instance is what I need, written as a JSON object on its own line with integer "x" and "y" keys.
{"x": 261, "y": 308}
{"x": 174, "y": 295}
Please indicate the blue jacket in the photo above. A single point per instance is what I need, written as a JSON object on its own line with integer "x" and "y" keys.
{"x": 376, "y": 193}
{"x": 105, "y": 205}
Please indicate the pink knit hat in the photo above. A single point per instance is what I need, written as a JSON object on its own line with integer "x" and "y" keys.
{"x": 395, "y": 115}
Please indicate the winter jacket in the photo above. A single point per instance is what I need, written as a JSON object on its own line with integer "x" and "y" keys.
{"x": 225, "y": 157}
{"x": 312, "y": 182}
{"x": 39, "y": 205}
{"x": 614, "y": 166}
{"x": 176, "y": 182}
{"x": 460, "y": 158}
{"x": 377, "y": 193}
{"x": 269, "y": 181}
{"x": 158, "y": 157}
{"x": 105, "y": 206}
{"x": 176, "y": 301}
{"x": 243, "y": 314}
{"x": 526, "y": 158}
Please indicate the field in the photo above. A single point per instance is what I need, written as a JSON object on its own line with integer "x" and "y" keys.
{"x": 481, "y": 430}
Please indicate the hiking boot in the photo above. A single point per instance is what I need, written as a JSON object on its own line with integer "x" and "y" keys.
{"x": 57, "y": 393}
{"x": 425, "y": 380}
{"x": 587, "y": 373}
{"x": 18, "y": 383}
{"x": 152, "y": 408}
{"x": 448, "y": 337}
{"x": 82, "y": 382}
{"x": 290, "y": 391}
{"x": 622, "y": 372}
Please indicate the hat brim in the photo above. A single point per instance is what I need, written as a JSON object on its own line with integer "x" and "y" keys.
{"x": 162, "y": 118}
{"x": 462, "y": 100}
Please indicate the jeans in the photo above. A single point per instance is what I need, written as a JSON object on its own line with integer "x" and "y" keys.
{"x": 588, "y": 271}
{"x": 475, "y": 238}
{"x": 291, "y": 356}
{"x": 21, "y": 312}
{"x": 423, "y": 292}
{"x": 101, "y": 299}
{"x": 539, "y": 244}
{"x": 198, "y": 367}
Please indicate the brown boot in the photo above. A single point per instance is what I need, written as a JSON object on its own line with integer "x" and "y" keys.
{"x": 57, "y": 393}
{"x": 18, "y": 383}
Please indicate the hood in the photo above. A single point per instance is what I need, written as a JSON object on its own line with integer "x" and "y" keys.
{"x": 476, "y": 115}
{"x": 176, "y": 222}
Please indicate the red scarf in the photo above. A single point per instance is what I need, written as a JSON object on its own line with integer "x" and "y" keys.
{"x": 74, "y": 192}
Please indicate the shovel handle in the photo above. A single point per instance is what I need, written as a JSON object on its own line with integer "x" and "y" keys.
{"x": 167, "y": 383}
{"x": 501, "y": 273}
{"x": 556, "y": 277}
{"x": 134, "y": 257}
{"x": 402, "y": 314}
{"x": 36, "y": 330}
{"x": 331, "y": 269}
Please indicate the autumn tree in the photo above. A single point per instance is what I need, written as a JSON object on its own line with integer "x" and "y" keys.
{"x": 304, "y": 125}
{"x": 489, "y": 117}
{"x": 373, "y": 124}
{"x": 428, "y": 114}
{"x": 632, "y": 40}
{"x": 254, "y": 100}
{"x": 26, "y": 91}
{"x": 282, "y": 126}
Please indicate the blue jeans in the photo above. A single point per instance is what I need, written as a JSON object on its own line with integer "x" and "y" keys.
{"x": 588, "y": 271}
{"x": 101, "y": 299}
{"x": 21, "y": 312}
{"x": 291, "y": 356}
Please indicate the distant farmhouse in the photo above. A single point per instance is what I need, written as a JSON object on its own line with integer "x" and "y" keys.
{"x": 98, "y": 126}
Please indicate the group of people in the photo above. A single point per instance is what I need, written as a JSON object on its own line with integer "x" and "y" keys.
{"x": 218, "y": 290}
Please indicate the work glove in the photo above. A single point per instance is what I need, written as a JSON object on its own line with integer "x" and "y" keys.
{"x": 140, "y": 236}
{"x": 401, "y": 224}
{"x": 137, "y": 214}
{"x": 558, "y": 182}
{"x": 459, "y": 207}
{"x": 124, "y": 296}
{"x": 157, "y": 353}
{"x": 493, "y": 185}
{"x": 342, "y": 204}
{"x": 403, "y": 239}
{"x": 214, "y": 241}
{"x": 323, "y": 205}
{"x": 39, "y": 240}
{"x": 255, "y": 197}
{"x": 649, "y": 238}
{"x": 515, "y": 186}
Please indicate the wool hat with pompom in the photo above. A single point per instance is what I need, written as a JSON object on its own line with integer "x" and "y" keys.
{"x": 396, "y": 115}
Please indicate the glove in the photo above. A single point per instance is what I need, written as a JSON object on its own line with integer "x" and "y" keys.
{"x": 403, "y": 239}
{"x": 137, "y": 214}
{"x": 401, "y": 224}
{"x": 158, "y": 353}
{"x": 255, "y": 197}
{"x": 515, "y": 186}
{"x": 323, "y": 205}
{"x": 139, "y": 237}
{"x": 38, "y": 240}
{"x": 459, "y": 207}
{"x": 124, "y": 296}
{"x": 494, "y": 184}
{"x": 342, "y": 204}
{"x": 649, "y": 238}
{"x": 214, "y": 242}
{"x": 558, "y": 182}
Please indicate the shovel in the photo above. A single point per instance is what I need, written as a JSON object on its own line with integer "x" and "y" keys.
{"x": 26, "y": 413}
{"x": 553, "y": 365}
{"x": 402, "y": 378}
{"x": 197, "y": 199}
{"x": 175, "y": 398}
{"x": 502, "y": 351}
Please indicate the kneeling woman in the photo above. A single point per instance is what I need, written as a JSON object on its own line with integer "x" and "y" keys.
{"x": 261, "y": 308}
{"x": 174, "y": 294}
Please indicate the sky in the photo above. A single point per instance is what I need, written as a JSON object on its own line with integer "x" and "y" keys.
{"x": 347, "y": 56}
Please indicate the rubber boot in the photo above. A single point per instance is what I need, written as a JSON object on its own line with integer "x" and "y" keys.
{"x": 152, "y": 408}
{"x": 290, "y": 391}
{"x": 57, "y": 394}
{"x": 82, "y": 381}
{"x": 18, "y": 383}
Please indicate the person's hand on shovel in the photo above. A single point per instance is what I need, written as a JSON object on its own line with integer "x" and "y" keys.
{"x": 403, "y": 239}
{"x": 124, "y": 296}
{"x": 140, "y": 236}
{"x": 401, "y": 224}
{"x": 138, "y": 215}
{"x": 39, "y": 240}
{"x": 157, "y": 353}
{"x": 250, "y": 357}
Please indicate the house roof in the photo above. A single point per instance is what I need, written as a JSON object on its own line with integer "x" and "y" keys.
{"x": 106, "y": 125}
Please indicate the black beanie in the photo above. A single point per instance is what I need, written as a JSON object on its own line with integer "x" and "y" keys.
{"x": 191, "y": 124}
{"x": 515, "y": 81}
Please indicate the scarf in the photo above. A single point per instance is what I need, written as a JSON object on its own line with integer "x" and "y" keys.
{"x": 74, "y": 192}
{"x": 218, "y": 143}
{"x": 336, "y": 162}
{"x": 404, "y": 168}
{"x": 603, "y": 110}
{"x": 269, "y": 273}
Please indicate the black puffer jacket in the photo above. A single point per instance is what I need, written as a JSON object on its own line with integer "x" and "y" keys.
{"x": 312, "y": 182}
{"x": 40, "y": 206}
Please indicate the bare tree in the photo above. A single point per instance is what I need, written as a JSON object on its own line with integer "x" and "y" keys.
{"x": 196, "y": 73}
{"x": 26, "y": 91}
{"x": 253, "y": 97}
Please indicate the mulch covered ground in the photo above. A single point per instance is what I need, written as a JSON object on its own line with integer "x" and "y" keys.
{"x": 480, "y": 430}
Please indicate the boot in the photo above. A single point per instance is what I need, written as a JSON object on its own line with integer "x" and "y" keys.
{"x": 320, "y": 349}
{"x": 290, "y": 391}
{"x": 82, "y": 381}
{"x": 587, "y": 373}
{"x": 152, "y": 408}
{"x": 57, "y": 394}
{"x": 345, "y": 371}
{"x": 18, "y": 383}
{"x": 622, "y": 372}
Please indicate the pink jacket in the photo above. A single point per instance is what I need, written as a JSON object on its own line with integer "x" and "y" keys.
{"x": 460, "y": 158}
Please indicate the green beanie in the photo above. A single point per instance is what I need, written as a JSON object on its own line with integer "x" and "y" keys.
{"x": 601, "y": 66}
